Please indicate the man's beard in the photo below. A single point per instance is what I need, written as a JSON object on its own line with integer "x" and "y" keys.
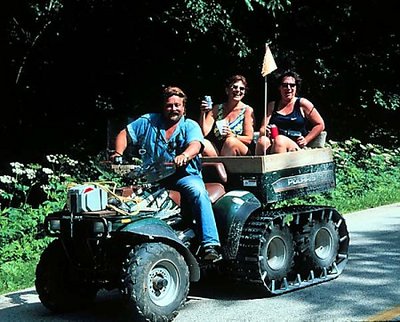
{"x": 174, "y": 117}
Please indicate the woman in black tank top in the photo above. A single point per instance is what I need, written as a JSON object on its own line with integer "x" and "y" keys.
{"x": 291, "y": 114}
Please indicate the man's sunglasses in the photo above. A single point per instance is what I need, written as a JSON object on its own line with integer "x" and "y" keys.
{"x": 179, "y": 94}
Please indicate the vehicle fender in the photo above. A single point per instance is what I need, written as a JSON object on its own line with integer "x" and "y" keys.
{"x": 231, "y": 212}
{"x": 155, "y": 230}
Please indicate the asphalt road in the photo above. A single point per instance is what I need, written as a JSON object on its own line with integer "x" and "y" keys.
{"x": 368, "y": 289}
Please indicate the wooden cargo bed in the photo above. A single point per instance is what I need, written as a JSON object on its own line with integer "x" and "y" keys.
{"x": 280, "y": 176}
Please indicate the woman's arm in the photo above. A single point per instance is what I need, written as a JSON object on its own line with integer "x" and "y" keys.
{"x": 313, "y": 116}
{"x": 207, "y": 119}
{"x": 248, "y": 126}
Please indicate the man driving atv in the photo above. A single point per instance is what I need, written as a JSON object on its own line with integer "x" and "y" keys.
{"x": 171, "y": 136}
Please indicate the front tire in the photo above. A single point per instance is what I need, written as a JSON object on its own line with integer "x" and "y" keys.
{"x": 155, "y": 282}
{"x": 60, "y": 288}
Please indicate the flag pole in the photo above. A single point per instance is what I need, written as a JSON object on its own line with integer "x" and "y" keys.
{"x": 265, "y": 101}
{"x": 268, "y": 67}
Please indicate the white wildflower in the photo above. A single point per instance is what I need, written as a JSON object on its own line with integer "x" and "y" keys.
{"x": 47, "y": 171}
{"x": 17, "y": 168}
{"x": 30, "y": 173}
{"x": 45, "y": 187}
{"x": 49, "y": 158}
{"x": 52, "y": 158}
{"x": 72, "y": 162}
{"x": 7, "y": 179}
{"x": 17, "y": 165}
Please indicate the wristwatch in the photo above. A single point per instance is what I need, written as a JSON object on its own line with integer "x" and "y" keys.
{"x": 186, "y": 157}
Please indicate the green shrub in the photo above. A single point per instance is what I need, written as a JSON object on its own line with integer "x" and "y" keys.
{"x": 366, "y": 176}
{"x": 16, "y": 275}
{"x": 22, "y": 237}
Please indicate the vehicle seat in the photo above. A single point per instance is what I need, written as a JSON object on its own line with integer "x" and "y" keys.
{"x": 214, "y": 172}
{"x": 214, "y": 176}
{"x": 319, "y": 141}
{"x": 215, "y": 190}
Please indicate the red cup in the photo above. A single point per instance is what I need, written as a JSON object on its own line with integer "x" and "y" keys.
{"x": 274, "y": 131}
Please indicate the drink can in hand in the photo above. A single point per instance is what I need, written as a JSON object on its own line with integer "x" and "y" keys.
{"x": 274, "y": 131}
{"x": 209, "y": 102}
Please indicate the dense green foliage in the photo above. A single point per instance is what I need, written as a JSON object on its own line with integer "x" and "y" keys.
{"x": 27, "y": 195}
{"x": 367, "y": 176}
{"x": 92, "y": 61}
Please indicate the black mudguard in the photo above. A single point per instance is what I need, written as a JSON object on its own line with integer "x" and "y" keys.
{"x": 231, "y": 212}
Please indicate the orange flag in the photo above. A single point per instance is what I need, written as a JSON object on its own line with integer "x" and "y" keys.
{"x": 269, "y": 63}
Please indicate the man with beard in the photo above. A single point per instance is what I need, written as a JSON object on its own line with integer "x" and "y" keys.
{"x": 172, "y": 137}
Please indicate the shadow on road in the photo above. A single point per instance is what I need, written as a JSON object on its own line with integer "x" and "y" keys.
{"x": 109, "y": 304}
{"x": 215, "y": 286}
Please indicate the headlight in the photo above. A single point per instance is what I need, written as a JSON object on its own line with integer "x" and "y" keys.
{"x": 98, "y": 227}
{"x": 55, "y": 224}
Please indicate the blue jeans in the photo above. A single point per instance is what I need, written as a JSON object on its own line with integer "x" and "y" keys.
{"x": 193, "y": 190}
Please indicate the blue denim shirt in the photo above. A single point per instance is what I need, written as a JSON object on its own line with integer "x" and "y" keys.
{"x": 148, "y": 135}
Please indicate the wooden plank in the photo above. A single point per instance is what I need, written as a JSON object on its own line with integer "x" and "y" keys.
{"x": 273, "y": 162}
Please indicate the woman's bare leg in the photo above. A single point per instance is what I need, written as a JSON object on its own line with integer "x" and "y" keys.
{"x": 233, "y": 146}
{"x": 262, "y": 146}
{"x": 283, "y": 144}
{"x": 209, "y": 150}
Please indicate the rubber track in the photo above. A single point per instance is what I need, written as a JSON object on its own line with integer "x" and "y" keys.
{"x": 247, "y": 266}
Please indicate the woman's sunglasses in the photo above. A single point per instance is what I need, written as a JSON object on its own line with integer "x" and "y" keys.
{"x": 288, "y": 85}
{"x": 241, "y": 88}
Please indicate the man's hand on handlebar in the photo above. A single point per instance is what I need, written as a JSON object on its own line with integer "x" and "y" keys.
{"x": 181, "y": 160}
{"x": 117, "y": 158}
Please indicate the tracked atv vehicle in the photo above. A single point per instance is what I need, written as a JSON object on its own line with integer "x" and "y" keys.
{"x": 137, "y": 239}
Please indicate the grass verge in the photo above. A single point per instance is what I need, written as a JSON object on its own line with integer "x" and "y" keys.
{"x": 17, "y": 275}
